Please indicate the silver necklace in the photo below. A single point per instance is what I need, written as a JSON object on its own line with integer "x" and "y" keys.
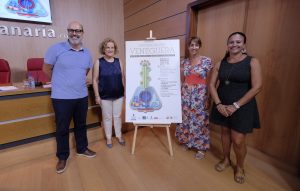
{"x": 227, "y": 81}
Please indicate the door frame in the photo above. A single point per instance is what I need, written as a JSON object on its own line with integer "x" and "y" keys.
{"x": 192, "y": 16}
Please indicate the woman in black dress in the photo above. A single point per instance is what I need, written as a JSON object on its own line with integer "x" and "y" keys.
{"x": 235, "y": 82}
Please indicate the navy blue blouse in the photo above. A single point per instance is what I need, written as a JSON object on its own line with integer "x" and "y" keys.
{"x": 110, "y": 79}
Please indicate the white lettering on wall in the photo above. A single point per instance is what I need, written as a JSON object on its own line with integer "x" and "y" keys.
{"x": 51, "y": 33}
{"x": 3, "y": 30}
{"x": 28, "y": 31}
{"x": 16, "y": 31}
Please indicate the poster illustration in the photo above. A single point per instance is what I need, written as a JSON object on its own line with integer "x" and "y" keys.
{"x": 153, "y": 82}
{"x": 31, "y": 10}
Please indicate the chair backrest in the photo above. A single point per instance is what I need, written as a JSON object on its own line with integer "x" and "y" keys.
{"x": 4, "y": 72}
{"x": 35, "y": 69}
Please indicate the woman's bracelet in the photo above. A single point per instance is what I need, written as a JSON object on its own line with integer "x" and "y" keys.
{"x": 236, "y": 105}
{"x": 218, "y": 104}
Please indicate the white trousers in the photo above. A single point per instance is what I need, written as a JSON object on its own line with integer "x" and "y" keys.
{"x": 112, "y": 110}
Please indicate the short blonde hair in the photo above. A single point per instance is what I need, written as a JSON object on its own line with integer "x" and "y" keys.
{"x": 104, "y": 43}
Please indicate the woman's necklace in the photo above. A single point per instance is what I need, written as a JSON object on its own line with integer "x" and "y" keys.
{"x": 227, "y": 81}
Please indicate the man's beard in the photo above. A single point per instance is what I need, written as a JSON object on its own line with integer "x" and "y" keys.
{"x": 75, "y": 41}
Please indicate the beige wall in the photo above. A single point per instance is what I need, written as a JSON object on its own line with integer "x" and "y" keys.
{"x": 100, "y": 18}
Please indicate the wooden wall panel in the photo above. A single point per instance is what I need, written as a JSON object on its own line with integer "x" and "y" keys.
{"x": 126, "y": 1}
{"x": 167, "y": 19}
{"x": 162, "y": 9}
{"x": 100, "y": 18}
{"x": 273, "y": 35}
{"x": 146, "y": 16}
{"x": 171, "y": 27}
{"x": 216, "y": 23}
{"x": 134, "y": 6}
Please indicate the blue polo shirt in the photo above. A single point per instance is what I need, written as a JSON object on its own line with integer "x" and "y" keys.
{"x": 69, "y": 70}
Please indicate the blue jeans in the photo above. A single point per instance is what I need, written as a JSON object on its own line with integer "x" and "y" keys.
{"x": 65, "y": 110}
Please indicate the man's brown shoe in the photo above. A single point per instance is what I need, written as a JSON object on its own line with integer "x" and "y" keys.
{"x": 88, "y": 153}
{"x": 61, "y": 166}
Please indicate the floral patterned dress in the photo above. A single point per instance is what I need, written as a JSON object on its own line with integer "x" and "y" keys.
{"x": 193, "y": 131}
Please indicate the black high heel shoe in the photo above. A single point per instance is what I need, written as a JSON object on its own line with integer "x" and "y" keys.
{"x": 121, "y": 141}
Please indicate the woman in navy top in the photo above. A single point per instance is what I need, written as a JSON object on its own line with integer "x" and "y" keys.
{"x": 109, "y": 89}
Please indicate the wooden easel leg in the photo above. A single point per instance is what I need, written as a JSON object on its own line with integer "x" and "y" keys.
{"x": 134, "y": 139}
{"x": 169, "y": 140}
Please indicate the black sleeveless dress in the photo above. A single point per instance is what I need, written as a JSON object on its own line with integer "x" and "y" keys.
{"x": 235, "y": 82}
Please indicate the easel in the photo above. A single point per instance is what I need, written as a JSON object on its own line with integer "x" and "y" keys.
{"x": 150, "y": 36}
{"x": 167, "y": 126}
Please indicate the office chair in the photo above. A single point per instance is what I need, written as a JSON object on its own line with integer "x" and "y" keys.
{"x": 4, "y": 72}
{"x": 35, "y": 69}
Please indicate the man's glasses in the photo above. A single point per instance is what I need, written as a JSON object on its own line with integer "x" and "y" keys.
{"x": 77, "y": 31}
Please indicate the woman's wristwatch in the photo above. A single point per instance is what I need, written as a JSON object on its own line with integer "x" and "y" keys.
{"x": 236, "y": 105}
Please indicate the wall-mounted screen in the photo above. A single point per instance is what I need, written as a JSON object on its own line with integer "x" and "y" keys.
{"x": 27, "y": 10}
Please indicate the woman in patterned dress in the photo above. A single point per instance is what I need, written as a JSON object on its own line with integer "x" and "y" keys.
{"x": 193, "y": 132}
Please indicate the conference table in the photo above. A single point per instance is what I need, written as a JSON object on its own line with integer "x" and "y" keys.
{"x": 26, "y": 115}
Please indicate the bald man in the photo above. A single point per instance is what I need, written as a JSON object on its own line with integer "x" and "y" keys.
{"x": 67, "y": 64}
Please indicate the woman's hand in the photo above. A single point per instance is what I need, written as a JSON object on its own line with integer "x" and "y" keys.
{"x": 222, "y": 109}
{"x": 230, "y": 109}
{"x": 98, "y": 100}
{"x": 207, "y": 104}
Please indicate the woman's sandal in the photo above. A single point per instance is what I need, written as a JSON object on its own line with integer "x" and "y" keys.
{"x": 239, "y": 175}
{"x": 222, "y": 165}
{"x": 186, "y": 148}
{"x": 121, "y": 141}
{"x": 109, "y": 145}
{"x": 200, "y": 155}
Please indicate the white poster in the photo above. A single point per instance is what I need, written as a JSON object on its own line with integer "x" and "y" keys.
{"x": 153, "y": 82}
